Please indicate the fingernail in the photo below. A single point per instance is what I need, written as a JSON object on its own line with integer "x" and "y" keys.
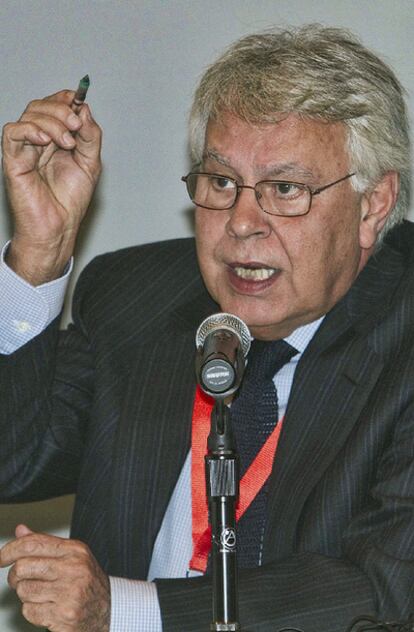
{"x": 74, "y": 121}
{"x": 68, "y": 138}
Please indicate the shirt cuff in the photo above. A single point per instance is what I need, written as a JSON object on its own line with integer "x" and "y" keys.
{"x": 134, "y": 606}
{"x": 25, "y": 310}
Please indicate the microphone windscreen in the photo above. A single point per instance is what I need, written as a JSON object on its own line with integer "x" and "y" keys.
{"x": 223, "y": 320}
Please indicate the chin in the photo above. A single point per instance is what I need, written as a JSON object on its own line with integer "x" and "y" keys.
{"x": 249, "y": 312}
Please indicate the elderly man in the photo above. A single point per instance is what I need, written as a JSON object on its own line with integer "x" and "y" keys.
{"x": 300, "y": 183}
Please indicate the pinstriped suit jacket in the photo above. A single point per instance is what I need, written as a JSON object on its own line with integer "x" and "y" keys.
{"x": 104, "y": 410}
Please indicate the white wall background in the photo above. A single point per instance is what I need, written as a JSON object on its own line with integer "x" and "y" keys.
{"x": 144, "y": 57}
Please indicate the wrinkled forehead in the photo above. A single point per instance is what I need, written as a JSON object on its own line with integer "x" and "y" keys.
{"x": 302, "y": 145}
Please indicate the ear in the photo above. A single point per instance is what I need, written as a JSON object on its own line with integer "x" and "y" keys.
{"x": 376, "y": 205}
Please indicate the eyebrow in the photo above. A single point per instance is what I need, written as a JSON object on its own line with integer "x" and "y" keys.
{"x": 214, "y": 155}
{"x": 285, "y": 169}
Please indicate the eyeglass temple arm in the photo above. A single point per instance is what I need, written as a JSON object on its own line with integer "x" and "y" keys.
{"x": 331, "y": 184}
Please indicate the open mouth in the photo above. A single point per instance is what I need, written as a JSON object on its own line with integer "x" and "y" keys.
{"x": 253, "y": 273}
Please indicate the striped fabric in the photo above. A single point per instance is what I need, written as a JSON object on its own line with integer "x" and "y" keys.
{"x": 110, "y": 403}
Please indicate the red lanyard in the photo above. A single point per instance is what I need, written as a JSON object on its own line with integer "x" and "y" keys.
{"x": 251, "y": 483}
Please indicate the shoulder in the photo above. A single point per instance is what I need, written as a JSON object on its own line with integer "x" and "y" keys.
{"x": 141, "y": 265}
{"x": 387, "y": 308}
{"x": 400, "y": 242}
{"x": 158, "y": 254}
{"x": 138, "y": 279}
{"x": 401, "y": 239}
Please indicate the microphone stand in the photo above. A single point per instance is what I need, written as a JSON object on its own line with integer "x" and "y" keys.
{"x": 222, "y": 479}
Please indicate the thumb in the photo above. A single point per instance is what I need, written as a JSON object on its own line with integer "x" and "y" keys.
{"x": 21, "y": 530}
{"x": 88, "y": 137}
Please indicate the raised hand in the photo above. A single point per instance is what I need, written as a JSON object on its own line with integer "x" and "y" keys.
{"x": 51, "y": 161}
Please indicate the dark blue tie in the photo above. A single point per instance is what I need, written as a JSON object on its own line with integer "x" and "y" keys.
{"x": 254, "y": 414}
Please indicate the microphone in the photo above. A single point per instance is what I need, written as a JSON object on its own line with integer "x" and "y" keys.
{"x": 223, "y": 342}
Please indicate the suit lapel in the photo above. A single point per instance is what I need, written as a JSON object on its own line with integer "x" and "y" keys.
{"x": 313, "y": 434}
{"x": 333, "y": 382}
{"x": 154, "y": 435}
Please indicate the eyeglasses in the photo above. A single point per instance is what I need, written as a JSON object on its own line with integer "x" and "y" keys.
{"x": 276, "y": 197}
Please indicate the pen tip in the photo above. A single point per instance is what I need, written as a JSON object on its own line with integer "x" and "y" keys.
{"x": 84, "y": 82}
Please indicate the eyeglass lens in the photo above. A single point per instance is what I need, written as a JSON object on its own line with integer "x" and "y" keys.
{"x": 277, "y": 197}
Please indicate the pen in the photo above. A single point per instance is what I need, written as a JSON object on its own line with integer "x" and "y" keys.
{"x": 80, "y": 93}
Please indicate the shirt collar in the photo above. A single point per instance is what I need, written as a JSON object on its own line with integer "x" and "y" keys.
{"x": 301, "y": 337}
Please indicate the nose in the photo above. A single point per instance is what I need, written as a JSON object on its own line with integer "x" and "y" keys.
{"x": 246, "y": 218}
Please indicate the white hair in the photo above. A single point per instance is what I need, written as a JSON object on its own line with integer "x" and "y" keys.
{"x": 318, "y": 72}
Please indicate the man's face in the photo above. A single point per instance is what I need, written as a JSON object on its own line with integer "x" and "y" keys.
{"x": 277, "y": 273}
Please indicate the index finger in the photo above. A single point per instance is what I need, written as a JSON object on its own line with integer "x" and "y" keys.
{"x": 59, "y": 101}
{"x": 74, "y": 98}
{"x": 33, "y": 545}
{"x": 62, "y": 97}
{"x": 53, "y": 114}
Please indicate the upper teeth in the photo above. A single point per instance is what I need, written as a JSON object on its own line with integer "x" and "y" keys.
{"x": 256, "y": 274}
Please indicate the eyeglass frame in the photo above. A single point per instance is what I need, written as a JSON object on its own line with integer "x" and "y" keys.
{"x": 239, "y": 187}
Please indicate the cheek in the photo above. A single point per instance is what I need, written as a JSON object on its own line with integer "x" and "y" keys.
{"x": 324, "y": 251}
{"x": 208, "y": 235}
{"x": 210, "y": 228}
{"x": 334, "y": 255}
{"x": 203, "y": 238}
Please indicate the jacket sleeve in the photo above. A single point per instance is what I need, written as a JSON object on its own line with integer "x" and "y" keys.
{"x": 46, "y": 388}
